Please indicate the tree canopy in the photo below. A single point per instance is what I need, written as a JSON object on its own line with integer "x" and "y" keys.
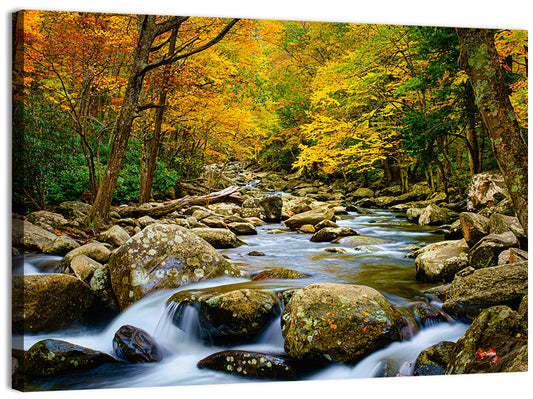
{"x": 368, "y": 103}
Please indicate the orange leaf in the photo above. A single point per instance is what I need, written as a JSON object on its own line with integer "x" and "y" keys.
{"x": 364, "y": 329}
{"x": 334, "y": 326}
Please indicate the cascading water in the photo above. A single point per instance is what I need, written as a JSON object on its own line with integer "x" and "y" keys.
{"x": 384, "y": 268}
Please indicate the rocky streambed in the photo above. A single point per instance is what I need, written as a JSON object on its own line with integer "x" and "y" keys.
{"x": 273, "y": 287}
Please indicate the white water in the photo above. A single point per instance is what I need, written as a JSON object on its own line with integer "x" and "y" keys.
{"x": 386, "y": 270}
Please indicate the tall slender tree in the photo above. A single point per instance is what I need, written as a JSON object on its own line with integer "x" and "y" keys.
{"x": 149, "y": 30}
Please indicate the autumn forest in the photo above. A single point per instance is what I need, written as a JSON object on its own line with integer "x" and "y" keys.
{"x": 122, "y": 108}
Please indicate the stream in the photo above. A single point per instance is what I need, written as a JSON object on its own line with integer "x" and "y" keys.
{"x": 385, "y": 268}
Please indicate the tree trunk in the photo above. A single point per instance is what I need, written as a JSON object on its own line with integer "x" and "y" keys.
{"x": 148, "y": 31}
{"x": 479, "y": 59}
{"x": 147, "y": 180}
{"x": 471, "y": 136}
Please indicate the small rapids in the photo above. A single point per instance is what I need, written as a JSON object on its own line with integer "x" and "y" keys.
{"x": 384, "y": 268}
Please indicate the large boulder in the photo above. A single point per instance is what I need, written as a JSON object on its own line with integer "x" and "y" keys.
{"x": 28, "y": 237}
{"x": 47, "y": 220}
{"x": 440, "y": 261}
{"x": 499, "y": 224}
{"x": 278, "y": 273}
{"x": 52, "y": 357}
{"x": 266, "y": 207}
{"x": 485, "y": 253}
{"x": 485, "y": 191}
{"x": 115, "y": 236}
{"x": 312, "y": 217}
{"x": 436, "y": 215}
{"x": 61, "y": 245}
{"x": 74, "y": 209}
{"x": 50, "y": 302}
{"x": 228, "y": 317}
{"x": 242, "y": 228}
{"x": 339, "y": 322}
{"x": 273, "y": 366}
{"x": 163, "y": 256}
{"x": 495, "y": 342}
{"x": 474, "y": 227}
{"x": 218, "y": 238}
{"x": 135, "y": 345}
{"x": 475, "y": 290}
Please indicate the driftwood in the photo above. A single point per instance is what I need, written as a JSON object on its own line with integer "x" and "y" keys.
{"x": 155, "y": 210}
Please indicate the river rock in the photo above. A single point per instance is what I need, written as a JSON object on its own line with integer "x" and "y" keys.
{"x": 218, "y": 238}
{"x": 115, "y": 236}
{"x": 499, "y": 224}
{"x": 474, "y": 227}
{"x": 485, "y": 253}
{"x": 328, "y": 234}
{"x": 297, "y": 205}
{"x": 339, "y": 322}
{"x": 436, "y": 215}
{"x": 145, "y": 221}
{"x": 213, "y": 221}
{"x": 135, "y": 345}
{"x": 307, "y": 229}
{"x": 479, "y": 289}
{"x": 325, "y": 223}
{"x": 228, "y": 317}
{"x": 28, "y": 237}
{"x": 52, "y": 357}
{"x": 360, "y": 240}
{"x": 427, "y": 314}
{"x": 100, "y": 283}
{"x": 50, "y": 302}
{"x": 61, "y": 245}
{"x": 511, "y": 255}
{"x": 163, "y": 256}
{"x": 47, "y": 220}
{"x": 435, "y": 359}
{"x": 242, "y": 228}
{"x": 485, "y": 191}
{"x": 74, "y": 209}
{"x": 94, "y": 250}
{"x": 313, "y": 217}
{"x": 225, "y": 208}
{"x": 412, "y": 214}
{"x": 83, "y": 267}
{"x": 273, "y": 366}
{"x": 495, "y": 342}
{"x": 440, "y": 261}
{"x": 278, "y": 273}
{"x": 362, "y": 192}
{"x": 266, "y": 207}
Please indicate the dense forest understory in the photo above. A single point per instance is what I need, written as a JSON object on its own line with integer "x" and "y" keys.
{"x": 323, "y": 190}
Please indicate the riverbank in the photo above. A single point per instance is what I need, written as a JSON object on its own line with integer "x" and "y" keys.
{"x": 169, "y": 256}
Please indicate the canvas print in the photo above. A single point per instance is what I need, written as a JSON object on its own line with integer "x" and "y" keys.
{"x": 202, "y": 200}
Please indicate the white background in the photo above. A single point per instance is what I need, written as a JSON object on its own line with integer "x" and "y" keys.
{"x": 515, "y": 14}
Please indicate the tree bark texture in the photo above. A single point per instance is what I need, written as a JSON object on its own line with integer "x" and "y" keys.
{"x": 480, "y": 60}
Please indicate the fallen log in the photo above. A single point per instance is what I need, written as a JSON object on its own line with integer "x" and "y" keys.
{"x": 155, "y": 210}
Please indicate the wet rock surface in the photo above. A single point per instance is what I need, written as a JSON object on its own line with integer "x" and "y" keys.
{"x": 135, "y": 345}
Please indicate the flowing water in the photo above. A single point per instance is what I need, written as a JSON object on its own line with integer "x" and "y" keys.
{"x": 384, "y": 268}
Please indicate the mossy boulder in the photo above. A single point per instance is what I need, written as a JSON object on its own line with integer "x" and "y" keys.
{"x": 485, "y": 253}
{"x": 94, "y": 250}
{"x": 218, "y": 238}
{"x": 435, "y": 359}
{"x": 29, "y": 237}
{"x": 50, "y": 302}
{"x": 360, "y": 240}
{"x": 472, "y": 291}
{"x": 272, "y": 366}
{"x": 495, "y": 342}
{"x": 61, "y": 245}
{"x": 51, "y": 357}
{"x": 339, "y": 323}
{"x": 436, "y": 215}
{"x": 440, "y": 261}
{"x": 226, "y": 318}
{"x": 163, "y": 256}
{"x": 242, "y": 228}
